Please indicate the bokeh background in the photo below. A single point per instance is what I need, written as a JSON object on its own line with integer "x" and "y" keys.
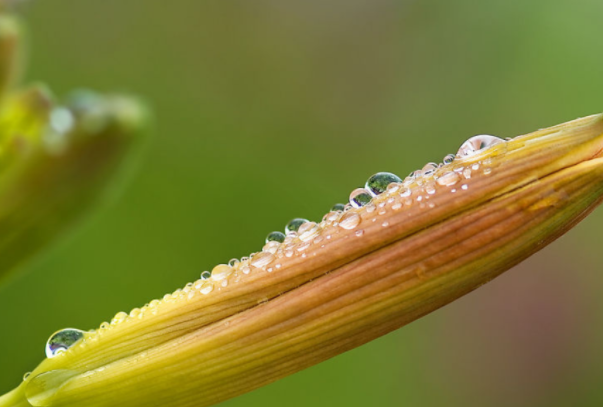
{"x": 271, "y": 109}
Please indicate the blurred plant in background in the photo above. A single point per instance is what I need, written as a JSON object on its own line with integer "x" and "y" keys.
{"x": 55, "y": 159}
{"x": 289, "y": 106}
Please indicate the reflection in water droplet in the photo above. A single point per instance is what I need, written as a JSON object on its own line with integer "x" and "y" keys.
{"x": 293, "y": 225}
{"x": 360, "y": 197}
{"x": 377, "y": 184}
{"x": 429, "y": 169}
{"x": 350, "y": 220}
{"x": 205, "y": 275}
{"x": 338, "y": 207}
{"x": 478, "y": 143}
{"x": 62, "y": 340}
{"x": 449, "y": 159}
{"x": 26, "y": 376}
{"x": 275, "y": 237}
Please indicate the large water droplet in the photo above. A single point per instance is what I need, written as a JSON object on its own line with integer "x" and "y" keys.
{"x": 448, "y": 178}
{"x": 221, "y": 271}
{"x": 275, "y": 237}
{"x": 262, "y": 259}
{"x": 293, "y": 225}
{"x": 360, "y": 197}
{"x": 350, "y": 220}
{"x": 308, "y": 231}
{"x": 478, "y": 143}
{"x": 62, "y": 340}
{"x": 377, "y": 184}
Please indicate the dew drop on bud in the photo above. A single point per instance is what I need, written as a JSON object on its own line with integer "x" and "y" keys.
{"x": 349, "y": 221}
{"x": 360, "y": 197}
{"x": 293, "y": 225}
{"x": 221, "y": 271}
{"x": 478, "y": 143}
{"x": 449, "y": 159}
{"x": 62, "y": 340}
{"x": 377, "y": 184}
{"x": 338, "y": 207}
{"x": 205, "y": 275}
{"x": 275, "y": 237}
{"x": 448, "y": 178}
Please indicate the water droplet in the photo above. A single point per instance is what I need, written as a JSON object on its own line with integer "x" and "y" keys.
{"x": 207, "y": 288}
{"x": 135, "y": 312}
{"x": 119, "y": 318}
{"x": 221, "y": 272}
{"x": 271, "y": 247}
{"x": 308, "y": 231}
{"x": 26, "y": 376}
{"x": 233, "y": 262}
{"x": 430, "y": 188}
{"x": 449, "y": 159}
{"x": 429, "y": 169}
{"x": 338, "y": 207}
{"x": 477, "y": 144}
{"x": 487, "y": 171}
{"x": 205, "y": 275}
{"x": 359, "y": 232}
{"x": 385, "y": 224}
{"x": 377, "y": 184}
{"x": 293, "y": 225}
{"x": 465, "y": 187}
{"x": 467, "y": 173}
{"x": 360, "y": 197}
{"x": 62, "y": 340}
{"x": 246, "y": 269}
{"x": 262, "y": 259}
{"x": 350, "y": 220}
{"x": 393, "y": 187}
{"x": 397, "y": 206}
{"x": 275, "y": 237}
{"x": 370, "y": 208}
{"x": 404, "y": 192}
{"x": 448, "y": 178}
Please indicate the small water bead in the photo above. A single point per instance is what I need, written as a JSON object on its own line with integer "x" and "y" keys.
{"x": 221, "y": 272}
{"x": 360, "y": 197}
{"x": 275, "y": 237}
{"x": 207, "y": 288}
{"x": 487, "y": 171}
{"x": 349, "y": 221}
{"x": 271, "y": 247}
{"x": 338, "y": 207}
{"x": 429, "y": 169}
{"x": 465, "y": 187}
{"x": 205, "y": 275}
{"x": 385, "y": 224}
{"x": 308, "y": 231}
{"x": 294, "y": 225}
{"x": 262, "y": 259}
{"x": 467, "y": 173}
{"x": 332, "y": 216}
{"x": 377, "y": 184}
{"x": 370, "y": 208}
{"x": 120, "y": 317}
{"x": 397, "y": 206}
{"x": 405, "y": 192}
{"x": 394, "y": 187}
{"x": 26, "y": 376}
{"x": 477, "y": 144}
{"x": 359, "y": 232}
{"x": 62, "y": 340}
{"x": 245, "y": 269}
{"x": 233, "y": 262}
{"x": 448, "y": 178}
{"x": 449, "y": 159}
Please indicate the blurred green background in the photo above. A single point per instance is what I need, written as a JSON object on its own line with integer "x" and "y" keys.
{"x": 271, "y": 109}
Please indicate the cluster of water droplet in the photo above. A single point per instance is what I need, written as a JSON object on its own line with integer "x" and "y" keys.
{"x": 382, "y": 192}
